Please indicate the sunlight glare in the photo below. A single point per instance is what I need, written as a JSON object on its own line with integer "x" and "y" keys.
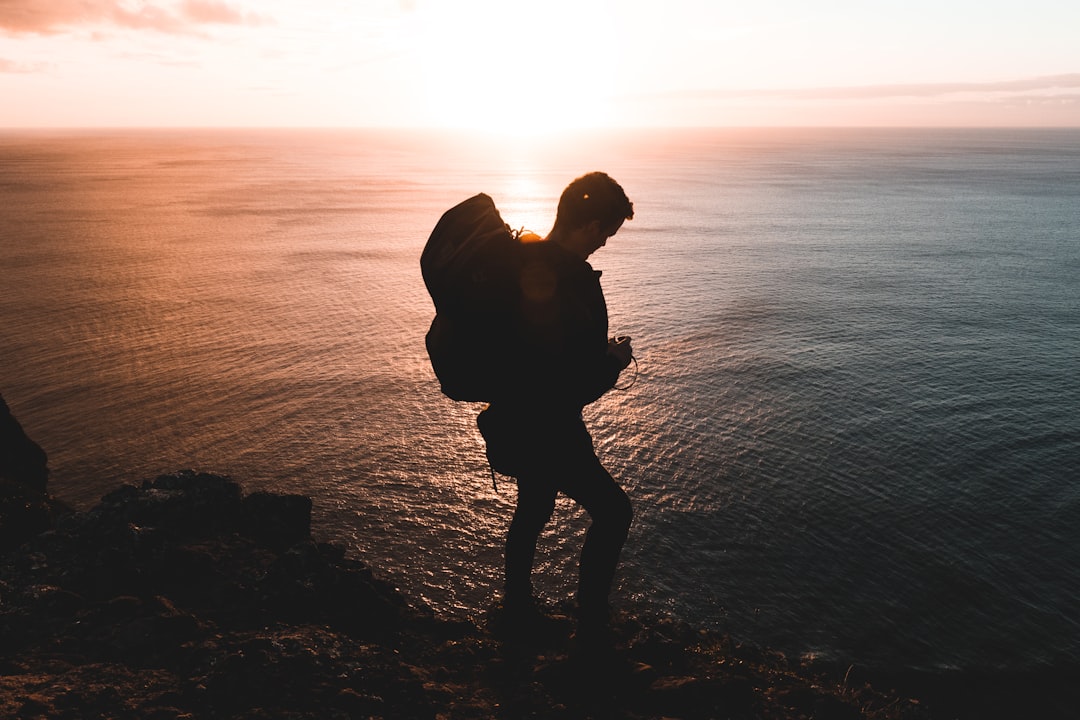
{"x": 525, "y": 202}
{"x": 518, "y": 69}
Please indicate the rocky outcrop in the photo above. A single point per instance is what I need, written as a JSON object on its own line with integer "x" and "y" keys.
{"x": 23, "y": 464}
{"x": 25, "y": 506}
{"x": 186, "y": 598}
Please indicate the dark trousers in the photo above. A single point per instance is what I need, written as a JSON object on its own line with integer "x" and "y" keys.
{"x": 547, "y": 457}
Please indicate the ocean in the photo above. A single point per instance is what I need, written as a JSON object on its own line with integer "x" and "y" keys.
{"x": 854, "y": 430}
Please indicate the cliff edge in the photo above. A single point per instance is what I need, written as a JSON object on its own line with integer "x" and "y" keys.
{"x": 186, "y": 598}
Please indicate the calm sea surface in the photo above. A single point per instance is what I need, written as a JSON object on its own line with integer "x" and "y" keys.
{"x": 855, "y": 432}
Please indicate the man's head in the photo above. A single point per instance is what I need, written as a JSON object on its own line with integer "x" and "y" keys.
{"x": 592, "y": 209}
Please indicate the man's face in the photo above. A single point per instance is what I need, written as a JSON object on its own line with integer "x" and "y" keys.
{"x": 597, "y": 236}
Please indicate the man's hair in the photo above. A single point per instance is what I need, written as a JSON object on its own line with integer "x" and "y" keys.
{"x": 593, "y": 197}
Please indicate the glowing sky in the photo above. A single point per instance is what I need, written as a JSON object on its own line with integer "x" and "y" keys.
{"x": 500, "y": 64}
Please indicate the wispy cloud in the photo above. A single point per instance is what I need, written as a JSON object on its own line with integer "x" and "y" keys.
{"x": 11, "y": 66}
{"x": 162, "y": 59}
{"x": 1042, "y": 84}
{"x": 212, "y": 11}
{"x": 1058, "y": 99}
{"x": 1028, "y": 85}
{"x": 53, "y": 16}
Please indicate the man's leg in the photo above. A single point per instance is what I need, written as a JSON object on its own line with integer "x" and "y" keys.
{"x": 535, "y": 504}
{"x": 592, "y": 486}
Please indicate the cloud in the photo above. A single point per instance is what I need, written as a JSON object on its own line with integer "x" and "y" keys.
{"x": 162, "y": 59}
{"x": 1040, "y": 84}
{"x": 1062, "y": 100}
{"x": 1028, "y": 85}
{"x": 11, "y": 66}
{"x": 212, "y": 11}
{"x": 52, "y": 16}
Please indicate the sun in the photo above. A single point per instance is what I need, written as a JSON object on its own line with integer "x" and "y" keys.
{"x": 516, "y": 68}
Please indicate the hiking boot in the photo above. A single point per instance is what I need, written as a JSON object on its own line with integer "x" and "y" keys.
{"x": 522, "y": 619}
{"x": 594, "y": 630}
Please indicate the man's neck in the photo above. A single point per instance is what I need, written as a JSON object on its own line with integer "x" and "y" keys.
{"x": 566, "y": 241}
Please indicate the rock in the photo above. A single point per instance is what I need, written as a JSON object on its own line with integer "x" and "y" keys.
{"x": 183, "y": 598}
{"x": 689, "y": 697}
{"x": 829, "y": 707}
{"x": 186, "y": 502}
{"x": 278, "y": 521}
{"x": 25, "y": 507}
{"x": 23, "y": 464}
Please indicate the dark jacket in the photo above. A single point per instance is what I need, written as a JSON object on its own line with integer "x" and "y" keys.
{"x": 563, "y": 333}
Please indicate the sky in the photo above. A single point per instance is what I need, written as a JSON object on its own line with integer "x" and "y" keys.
{"x": 529, "y": 67}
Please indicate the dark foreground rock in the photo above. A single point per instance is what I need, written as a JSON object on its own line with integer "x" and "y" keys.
{"x": 25, "y": 507}
{"x": 185, "y": 598}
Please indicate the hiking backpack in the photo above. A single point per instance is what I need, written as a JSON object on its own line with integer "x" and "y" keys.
{"x": 471, "y": 266}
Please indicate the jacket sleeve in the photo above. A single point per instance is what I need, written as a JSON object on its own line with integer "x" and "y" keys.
{"x": 598, "y": 376}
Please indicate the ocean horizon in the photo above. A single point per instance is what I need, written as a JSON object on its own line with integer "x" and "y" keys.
{"x": 853, "y": 433}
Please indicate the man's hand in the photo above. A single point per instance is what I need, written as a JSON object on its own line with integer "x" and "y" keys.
{"x": 621, "y": 349}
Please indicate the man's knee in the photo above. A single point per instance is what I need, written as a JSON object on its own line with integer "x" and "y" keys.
{"x": 616, "y": 512}
{"x": 540, "y": 511}
{"x": 534, "y": 508}
{"x": 624, "y": 511}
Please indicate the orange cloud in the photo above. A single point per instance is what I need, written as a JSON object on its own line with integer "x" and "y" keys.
{"x": 34, "y": 16}
{"x": 212, "y": 11}
{"x": 12, "y": 66}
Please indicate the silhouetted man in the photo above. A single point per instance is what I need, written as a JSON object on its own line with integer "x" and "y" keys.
{"x": 536, "y": 433}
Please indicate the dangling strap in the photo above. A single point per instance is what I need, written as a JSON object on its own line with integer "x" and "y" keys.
{"x": 634, "y": 380}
